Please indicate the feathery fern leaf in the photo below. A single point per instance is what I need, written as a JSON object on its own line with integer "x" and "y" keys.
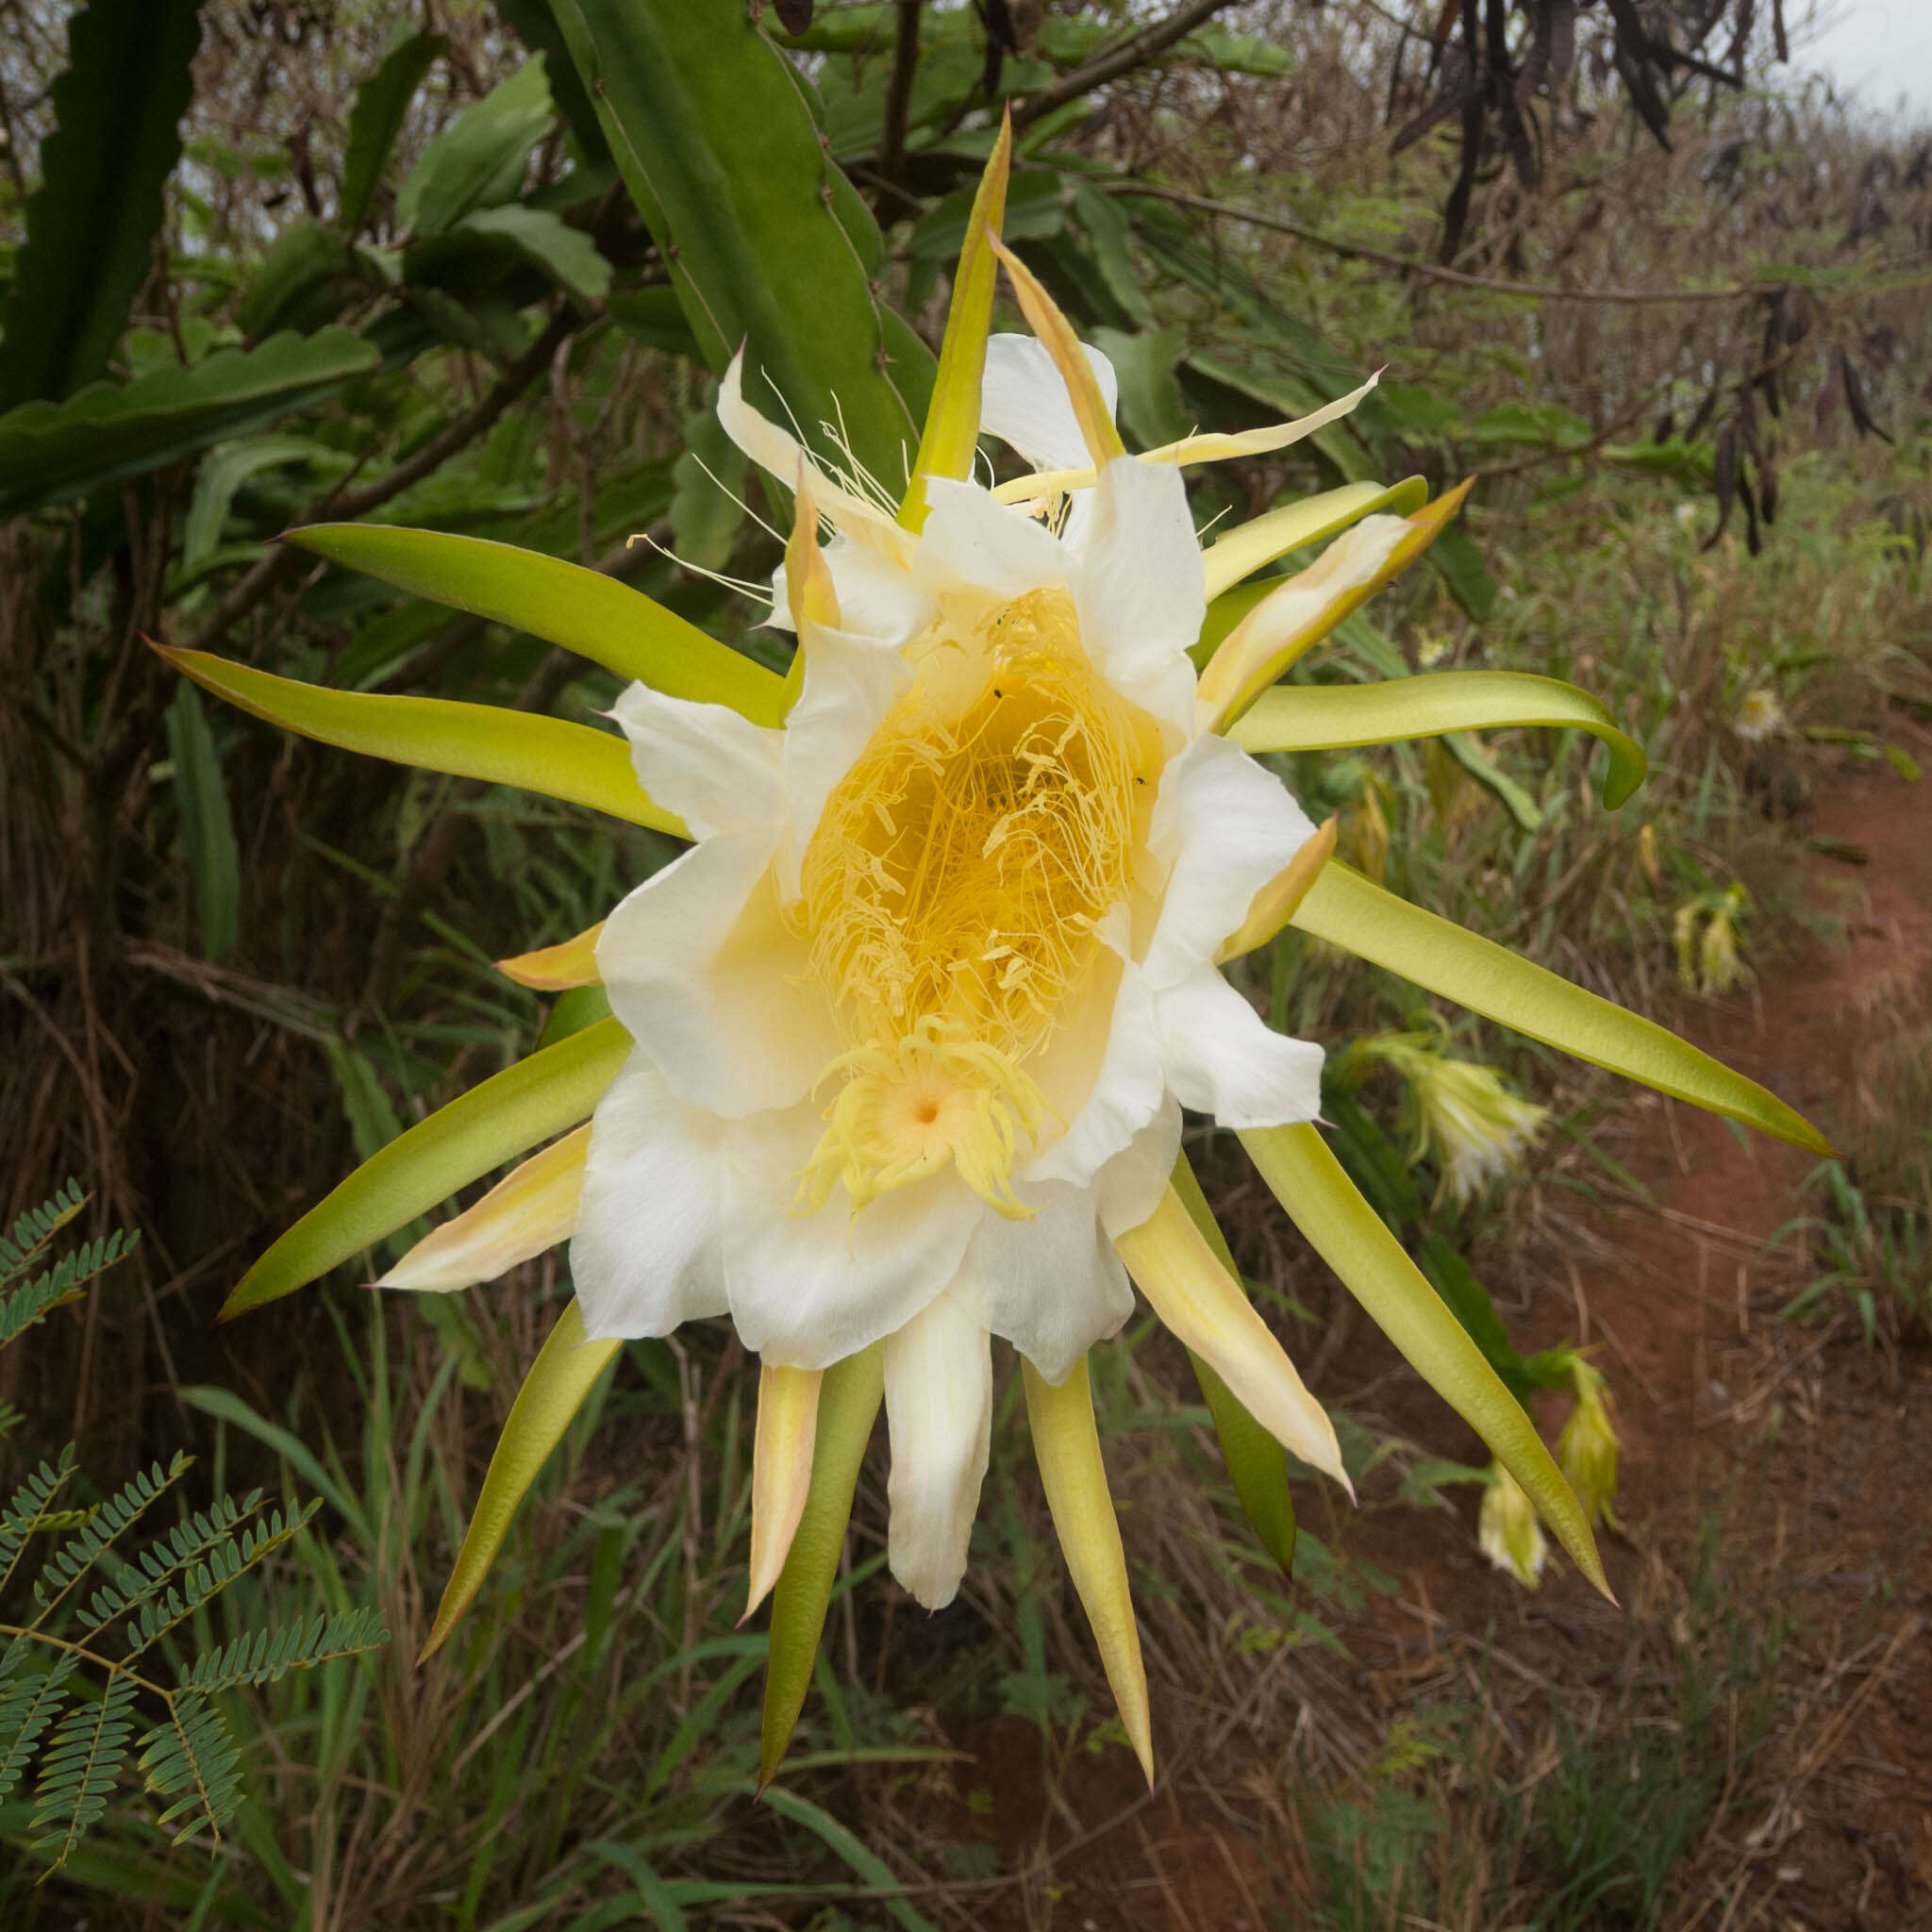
{"x": 212, "y": 1575}
{"x": 267, "y": 1654}
{"x": 28, "y": 1509}
{"x": 192, "y": 1753}
{"x": 73, "y": 1559}
{"x": 78, "y": 1768}
{"x": 166, "y": 1557}
{"x": 36, "y": 1228}
{"x": 27, "y": 1707}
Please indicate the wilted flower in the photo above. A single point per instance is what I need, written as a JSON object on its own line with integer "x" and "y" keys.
{"x": 1587, "y": 1449}
{"x": 1458, "y": 1111}
{"x": 1705, "y": 935}
{"x": 1760, "y": 715}
{"x": 1507, "y": 1532}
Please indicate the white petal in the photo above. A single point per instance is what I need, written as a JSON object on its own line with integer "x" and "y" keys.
{"x": 1220, "y": 1058}
{"x": 1053, "y": 1285}
{"x": 1023, "y": 402}
{"x": 973, "y": 544}
{"x": 878, "y": 597}
{"x": 1131, "y": 1187}
{"x": 715, "y": 769}
{"x": 939, "y": 1410}
{"x": 808, "y": 1290}
{"x": 780, "y": 453}
{"x": 1224, "y": 825}
{"x": 706, "y": 976}
{"x": 850, "y": 683}
{"x": 1137, "y": 585}
{"x": 1126, "y": 1094}
{"x": 645, "y": 1256}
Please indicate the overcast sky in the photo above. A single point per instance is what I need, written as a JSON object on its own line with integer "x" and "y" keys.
{"x": 1879, "y": 49}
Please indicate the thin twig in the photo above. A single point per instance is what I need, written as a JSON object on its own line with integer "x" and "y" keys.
{"x": 1354, "y": 251}
{"x": 1129, "y": 54}
{"x": 899, "y": 88}
{"x": 284, "y": 560}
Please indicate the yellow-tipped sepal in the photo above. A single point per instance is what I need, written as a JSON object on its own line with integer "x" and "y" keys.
{"x": 782, "y": 1458}
{"x": 1067, "y": 1446}
{"x": 533, "y": 1208}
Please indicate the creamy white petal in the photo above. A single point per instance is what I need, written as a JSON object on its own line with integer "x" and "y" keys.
{"x": 1126, "y": 1094}
{"x": 1220, "y": 1058}
{"x": 1053, "y": 1285}
{"x": 807, "y": 1289}
{"x": 1129, "y": 1188}
{"x": 850, "y": 683}
{"x": 646, "y": 1255}
{"x": 780, "y": 453}
{"x": 939, "y": 1411}
{"x": 714, "y": 768}
{"x": 706, "y": 976}
{"x": 1023, "y": 402}
{"x": 974, "y": 545}
{"x": 1224, "y": 825}
{"x": 878, "y": 597}
{"x": 1137, "y": 585}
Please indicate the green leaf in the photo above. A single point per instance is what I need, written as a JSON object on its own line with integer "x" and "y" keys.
{"x": 1468, "y": 1300}
{"x": 564, "y": 604}
{"x": 1490, "y": 776}
{"x": 208, "y": 827}
{"x": 850, "y": 1848}
{"x": 849, "y": 1402}
{"x": 550, "y": 756}
{"x": 478, "y": 161}
{"x": 564, "y": 1373}
{"x": 544, "y": 1094}
{"x": 91, "y": 223}
{"x": 1460, "y": 560}
{"x": 566, "y": 255}
{"x": 1151, "y": 403}
{"x": 1348, "y": 1234}
{"x": 707, "y": 506}
{"x": 304, "y": 281}
{"x": 1110, "y": 234}
{"x": 1350, "y": 911}
{"x": 768, "y": 243}
{"x": 1255, "y": 1460}
{"x": 381, "y": 103}
{"x": 53, "y": 451}
{"x": 227, "y": 468}
{"x": 226, "y": 1406}
{"x": 535, "y": 24}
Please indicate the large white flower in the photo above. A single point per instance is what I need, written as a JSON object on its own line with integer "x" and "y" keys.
{"x": 917, "y": 1014}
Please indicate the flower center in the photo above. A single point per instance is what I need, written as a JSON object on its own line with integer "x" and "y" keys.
{"x": 952, "y": 892}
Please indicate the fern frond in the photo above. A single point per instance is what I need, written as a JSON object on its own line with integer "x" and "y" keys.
{"x": 192, "y": 1753}
{"x": 27, "y": 1707}
{"x": 36, "y": 1228}
{"x": 267, "y": 1654}
{"x": 62, "y": 1282}
{"x": 78, "y": 1768}
{"x": 213, "y": 1573}
{"x": 73, "y": 1559}
{"x": 166, "y": 1557}
{"x": 27, "y": 1508}
{"x": 10, "y": 1418}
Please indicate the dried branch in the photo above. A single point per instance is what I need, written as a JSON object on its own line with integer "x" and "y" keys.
{"x": 1131, "y": 52}
{"x": 891, "y": 152}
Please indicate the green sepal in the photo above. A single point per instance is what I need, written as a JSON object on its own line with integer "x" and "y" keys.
{"x": 1353, "y": 912}
{"x": 551, "y": 756}
{"x": 849, "y": 1402}
{"x": 1330, "y": 717}
{"x": 542, "y": 1095}
{"x": 1256, "y": 1462}
{"x": 1348, "y": 1234}
{"x": 564, "y": 1373}
{"x": 627, "y": 633}
{"x": 1252, "y": 546}
{"x": 951, "y": 436}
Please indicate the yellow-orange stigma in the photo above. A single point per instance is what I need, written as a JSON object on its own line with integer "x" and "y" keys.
{"x": 952, "y": 894}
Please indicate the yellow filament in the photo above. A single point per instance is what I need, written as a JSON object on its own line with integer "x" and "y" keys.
{"x": 952, "y": 892}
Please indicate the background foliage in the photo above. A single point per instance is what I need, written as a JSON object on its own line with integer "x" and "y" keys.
{"x": 476, "y": 269}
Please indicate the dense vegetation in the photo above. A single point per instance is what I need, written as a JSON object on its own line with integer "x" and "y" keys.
{"x": 267, "y": 265}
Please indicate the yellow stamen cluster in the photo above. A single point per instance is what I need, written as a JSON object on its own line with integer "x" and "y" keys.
{"x": 952, "y": 892}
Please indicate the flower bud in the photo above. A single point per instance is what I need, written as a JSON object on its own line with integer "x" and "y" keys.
{"x": 1507, "y": 1532}
{"x": 1587, "y": 1449}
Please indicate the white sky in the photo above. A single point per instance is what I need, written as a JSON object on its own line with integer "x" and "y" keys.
{"x": 1879, "y": 49}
